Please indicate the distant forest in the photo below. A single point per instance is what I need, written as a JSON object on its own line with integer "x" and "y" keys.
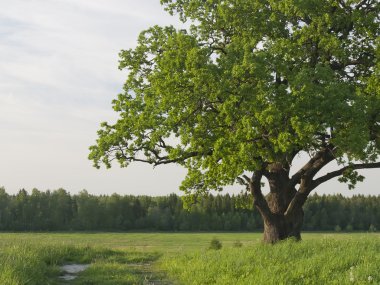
{"x": 59, "y": 211}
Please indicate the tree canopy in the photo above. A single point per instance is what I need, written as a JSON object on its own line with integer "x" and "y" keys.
{"x": 251, "y": 82}
{"x": 249, "y": 86}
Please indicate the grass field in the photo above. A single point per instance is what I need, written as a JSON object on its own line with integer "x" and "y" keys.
{"x": 184, "y": 258}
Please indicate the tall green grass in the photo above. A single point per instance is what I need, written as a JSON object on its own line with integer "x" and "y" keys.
{"x": 325, "y": 261}
{"x": 38, "y": 264}
{"x": 185, "y": 258}
{"x": 22, "y": 263}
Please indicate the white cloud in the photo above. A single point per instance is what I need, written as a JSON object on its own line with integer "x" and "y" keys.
{"x": 59, "y": 73}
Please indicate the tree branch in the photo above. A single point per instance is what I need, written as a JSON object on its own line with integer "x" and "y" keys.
{"x": 156, "y": 159}
{"x": 316, "y": 163}
{"x": 258, "y": 198}
{"x": 305, "y": 175}
{"x": 342, "y": 4}
{"x": 339, "y": 172}
{"x": 362, "y": 3}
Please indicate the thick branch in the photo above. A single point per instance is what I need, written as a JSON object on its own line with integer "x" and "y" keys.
{"x": 340, "y": 172}
{"x": 258, "y": 198}
{"x": 296, "y": 203}
{"x": 305, "y": 175}
{"x": 316, "y": 163}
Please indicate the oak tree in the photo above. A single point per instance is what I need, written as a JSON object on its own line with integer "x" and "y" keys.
{"x": 249, "y": 86}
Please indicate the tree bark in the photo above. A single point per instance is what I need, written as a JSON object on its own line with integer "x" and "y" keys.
{"x": 281, "y": 209}
{"x": 274, "y": 229}
{"x": 279, "y": 223}
{"x": 280, "y": 226}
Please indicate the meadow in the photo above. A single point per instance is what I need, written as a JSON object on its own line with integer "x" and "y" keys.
{"x": 185, "y": 258}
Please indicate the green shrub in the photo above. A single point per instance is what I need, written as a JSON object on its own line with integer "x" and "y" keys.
{"x": 338, "y": 228}
{"x": 372, "y": 228}
{"x": 215, "y": 244}
{"x": 349, "y": 228}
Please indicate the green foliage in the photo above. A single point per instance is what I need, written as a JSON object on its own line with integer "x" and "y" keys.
{"x": 215, "y": 244}
{"x": 349, "y": 228}
{"x": 372, "y": 228}
{"x": 351, "y": 177}
{"x": 249, "y": 82}
{"x": 60, "y": 211}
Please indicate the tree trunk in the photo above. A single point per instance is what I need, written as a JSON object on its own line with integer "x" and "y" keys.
{"x": 278, "y": 224}
{"x": 275, "y": 229}
{"x": 279, "y": 227}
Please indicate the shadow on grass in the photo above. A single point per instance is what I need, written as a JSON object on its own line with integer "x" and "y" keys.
{"x": 111, "y": 267}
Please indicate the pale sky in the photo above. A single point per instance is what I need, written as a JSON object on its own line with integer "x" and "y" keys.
{"x": 58, "y": 76}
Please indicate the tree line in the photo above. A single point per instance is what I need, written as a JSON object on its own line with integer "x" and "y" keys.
{"x": 58, "y": 210}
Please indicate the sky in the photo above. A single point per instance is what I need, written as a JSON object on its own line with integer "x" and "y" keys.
{"x": 58, "y": 75}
